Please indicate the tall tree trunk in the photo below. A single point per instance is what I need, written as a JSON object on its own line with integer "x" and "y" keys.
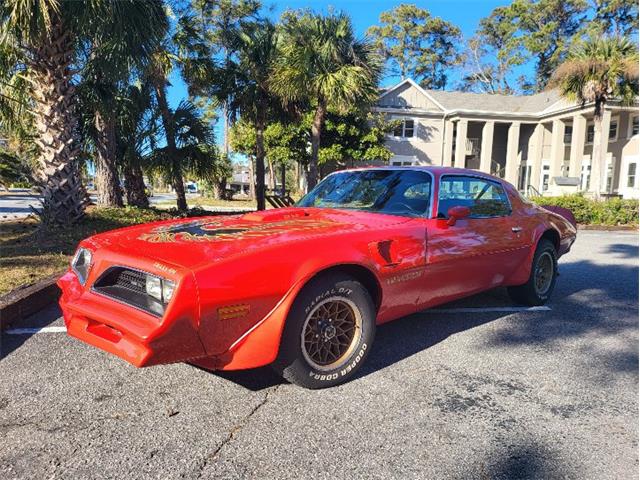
{"x": 260, "y": 125}
{"x": 316, "y": 132}
{"x": 107, "y": 181}
{"x": 64, "y": 197}
{"x": 272, "y": 175}
{"x": 170, "y": 133}
{"x": 598, "y": 157}
{"x": 225, "y": 126}
{"x": 222, "y": 188}
{"x": 252, "y": 179}
{"x": 284, "y": 180}
{"x": 134, "y": 186}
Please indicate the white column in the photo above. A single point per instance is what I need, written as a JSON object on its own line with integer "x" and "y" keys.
{"x": 486, "y": 147}
{"x": 535, "y": 152}
{"x": 461, "y": 143}
{"x": 557, "y": 148}
{"x": 511, "y": 168}
{"x": 578, "y": 135}
{"x": 448, "y": 143}
{"x": 599, "y": 169}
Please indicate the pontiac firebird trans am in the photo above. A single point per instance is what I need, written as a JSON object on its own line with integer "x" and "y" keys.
{"x": 303, "y": 288}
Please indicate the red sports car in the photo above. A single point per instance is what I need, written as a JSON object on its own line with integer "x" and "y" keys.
{"x": 303, "y": 288}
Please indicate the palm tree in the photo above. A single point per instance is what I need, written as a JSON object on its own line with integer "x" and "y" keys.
{"x": 49, "y": 36}
{"x": 597, "y": 71}
{"x": 324, "y": 63}
{"x": 193, "y": 152}
{"x": 186, "y": 49}
{"x": 120, "y": 46}
{"x": 135, "y": 128}
{"x": 257, "y": 45}
{"x": 221, "y": 19}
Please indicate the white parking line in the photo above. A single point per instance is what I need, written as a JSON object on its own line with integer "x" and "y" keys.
{"x": 32, "y": 331}
{"x": 29, "y": 331}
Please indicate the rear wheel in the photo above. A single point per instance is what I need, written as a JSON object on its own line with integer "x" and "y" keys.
{"x": 542, "y": 279}
{"x": 328, "y": 334}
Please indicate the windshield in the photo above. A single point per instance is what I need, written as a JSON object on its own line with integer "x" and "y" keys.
{"x": 395, "y": 192}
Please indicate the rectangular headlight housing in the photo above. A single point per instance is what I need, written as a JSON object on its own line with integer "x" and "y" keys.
{"x": 159, "y": 288}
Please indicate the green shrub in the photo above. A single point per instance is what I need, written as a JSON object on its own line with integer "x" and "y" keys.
{"x": 587, "y": 211}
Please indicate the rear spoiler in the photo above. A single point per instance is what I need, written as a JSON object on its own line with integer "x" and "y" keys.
{"x": 563, "y": 212}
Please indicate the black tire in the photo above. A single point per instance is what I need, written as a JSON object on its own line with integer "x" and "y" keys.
{"x": 535, "y": 292}
{"x": 345, "y": 297}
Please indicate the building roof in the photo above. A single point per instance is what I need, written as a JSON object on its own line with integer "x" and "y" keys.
{"x": 448, "y": 101}
{"x": 493, "y": 102}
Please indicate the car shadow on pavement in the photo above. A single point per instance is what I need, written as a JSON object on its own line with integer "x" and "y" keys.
{"x": 575, "y": 310}
{"x": 255, "y": 379}
{"x": 9, "y": 343}
{"x": 578, "y": 308}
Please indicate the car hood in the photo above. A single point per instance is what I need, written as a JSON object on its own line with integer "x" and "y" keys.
{"x": 192, "y": 242}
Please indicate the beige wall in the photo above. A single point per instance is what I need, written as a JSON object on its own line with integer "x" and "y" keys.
{"x": 426, "y": 145}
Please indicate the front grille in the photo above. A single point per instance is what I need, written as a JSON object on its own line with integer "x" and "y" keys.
{"x": 130, "y": 280}
{"x": 128, "y": 286}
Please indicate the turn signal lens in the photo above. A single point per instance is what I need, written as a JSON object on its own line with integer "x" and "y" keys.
{"x": 167, "y": 290}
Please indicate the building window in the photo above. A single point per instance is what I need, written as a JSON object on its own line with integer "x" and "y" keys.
{"x": 585, "y": 176}
{"x": 405, "y": 129}
{"x": 631, "y": 175}
{"x": 634, "y": 125}
{"x": 590, "y": 133}
{"x": 545, "y": 177}
{"x": 613, "y": 131}
{"x": 568, "y": 132}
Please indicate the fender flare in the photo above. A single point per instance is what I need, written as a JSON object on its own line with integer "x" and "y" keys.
{"x": 259, "y": 346}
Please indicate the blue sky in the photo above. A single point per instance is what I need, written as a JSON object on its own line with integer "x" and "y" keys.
{"x": 464, "y": 13}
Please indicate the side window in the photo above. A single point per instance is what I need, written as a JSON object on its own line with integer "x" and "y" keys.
{"x": 483, "y": 197}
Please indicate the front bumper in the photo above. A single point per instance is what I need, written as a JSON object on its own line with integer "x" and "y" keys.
{"x": 133, "y": 335}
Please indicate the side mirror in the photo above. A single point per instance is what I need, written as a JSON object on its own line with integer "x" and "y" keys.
{"x": 457, "y": 213}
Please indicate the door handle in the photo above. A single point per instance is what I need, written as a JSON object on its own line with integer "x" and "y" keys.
{"x": 516, "y": 229}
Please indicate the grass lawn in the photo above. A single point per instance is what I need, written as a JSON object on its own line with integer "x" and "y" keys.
{"x": 28, "y": 256}
{"x": 199, "y": 202}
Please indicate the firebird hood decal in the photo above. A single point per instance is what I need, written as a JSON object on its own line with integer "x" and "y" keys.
{"x": 208, "y": 230}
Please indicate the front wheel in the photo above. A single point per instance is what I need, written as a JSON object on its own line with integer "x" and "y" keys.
{"x": 328, "y": 334}
{"x": 542, "y": 279}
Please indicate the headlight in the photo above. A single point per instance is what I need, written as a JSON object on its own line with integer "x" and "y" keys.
{"x": 81, "y": 264}
{"x": 154, "y": 287}
{"x": 159, "y": 288}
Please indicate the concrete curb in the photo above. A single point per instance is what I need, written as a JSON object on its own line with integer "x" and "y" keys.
{"x": 20, "y": 303}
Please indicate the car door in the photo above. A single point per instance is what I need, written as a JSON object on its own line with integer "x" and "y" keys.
{"x": 474, "y": 254}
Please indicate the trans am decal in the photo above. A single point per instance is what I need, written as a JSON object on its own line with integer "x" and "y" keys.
{"x": 208, "y": 230}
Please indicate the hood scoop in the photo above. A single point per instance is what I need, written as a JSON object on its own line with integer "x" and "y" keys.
{"x": 275, "y": 215}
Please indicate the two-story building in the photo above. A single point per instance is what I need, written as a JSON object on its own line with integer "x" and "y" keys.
{"x": 538, "y": 142}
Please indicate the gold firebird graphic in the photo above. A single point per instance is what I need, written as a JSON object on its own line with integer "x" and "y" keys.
{"x": 208, "y": 230}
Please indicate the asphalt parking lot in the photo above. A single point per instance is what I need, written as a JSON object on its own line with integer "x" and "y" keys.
{"x": 474, "y": 393}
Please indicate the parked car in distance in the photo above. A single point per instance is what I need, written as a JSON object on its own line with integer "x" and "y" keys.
{"x": 303, "y": 288}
